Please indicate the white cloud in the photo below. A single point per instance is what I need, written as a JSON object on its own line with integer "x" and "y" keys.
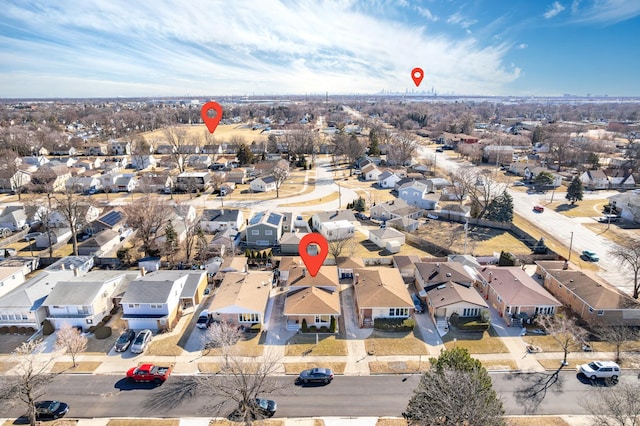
{"x": 605, "y": 11}
{"x": 555, "y": 9}
{"x": 522, "y": 46}
{"x": 423, "y": 11}
{"x": 457, "y": 18}
{"x": 125, "y": 47}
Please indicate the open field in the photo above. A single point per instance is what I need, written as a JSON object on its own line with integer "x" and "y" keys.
{"x": 223, "y": 133}
{"x": 395, "y": 343}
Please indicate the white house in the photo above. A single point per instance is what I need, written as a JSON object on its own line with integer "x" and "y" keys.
{"x": 382, "y": 236}
{"x": 337, "y": 230}
{"x": 417, "y": 194}
{"x": 13, "y": 217}
{"x": 11, "y": 278}
{"x": 388, "y": 179}
{"x": 214, "y": 220}
{"x": 371, "y": 172}
{"x": 594, "y": 179}
{"x": 263, "y": 184}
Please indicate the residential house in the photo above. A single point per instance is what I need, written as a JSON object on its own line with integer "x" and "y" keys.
{"x": 201, "y": 161}
{"x": 140, "y": 162}
{"x": 237, "y": 175}
{"x": 451, "y": 298}
{"x": 14, "y": 181}
{"x": 22, "y": 306}
{"x": 370, "y": 172}
{"x": 593, "y": 300}
{"x": 514, "y": 294}
{"x": 332, "y": 216}
{"x": 620, "y": 178}
{"x": 429, "y": 275}
{"x": 83, "y": 183}
{"x": 242, "y": 298}
{"x": 531, "y": 173}
{"x": 628, "y": 204}
{"x": 263, "y": 184}
{"x": 99, "y": 244}
{"x": 34, "y": 161}
{"x": 10, "y": 278}
{"x": 50, "y": 177}
{"x": 215, "y": 220}
{"x": 14, "y": 218}
{"x": 118, "y": 147}
{"x": 156, "y": 183}
{"x": 96, "y": 149}
{"x": 395, "y": 209}
{"x": 417, "y": 194}
{"x": 454, "y": 211}
{"x": 125, "y": 183}
{"x": 230, "y": 264}
{"x": 380, "y": 293}
{"x": 86, "y": 212}
{"x": 594, "y": 179}
{"x": 112, "y": 220}
{"x": 382, "y": 237}
{"x": 213, "y": 149}
{"x": 337, "y": 230}
{"x": 27, "y": 263}
{"x": 388, "y": 179}
{"x": 314, "y": 301}
{"x": 227, "y": 240}
{"x": 264, "y": 229}
{"x": 153, "y": 300}
{"x": 84, "y": 301}
{"x": 53, "y": 237}
{"x": 193, "y": 181}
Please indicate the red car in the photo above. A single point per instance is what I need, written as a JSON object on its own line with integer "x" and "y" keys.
{"x": 539, "y": 209}
{"x": 149, "y": 373}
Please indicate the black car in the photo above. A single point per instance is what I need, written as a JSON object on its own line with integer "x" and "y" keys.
{"x": 124, "y": 341}
{"x": 318, "y": 375}
{"x": 50, "y": 410}
{"x": 266, "y": 406}
{"x": 260, "y": 408}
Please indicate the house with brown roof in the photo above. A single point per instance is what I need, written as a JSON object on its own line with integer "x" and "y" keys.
{"x": 450, "y": 297}
{"x": 432, "y": 274}
{"x": 406, "y": 265}
{"x": 594, "y": 179}
{"x": 594, "y": 300}
{"x": 346, "y": 265}
{"x": 514, "y": 294}
{"x": 242, "y": 298}
{"x": 380, "y": 293}
{"x": 312, "y": 300}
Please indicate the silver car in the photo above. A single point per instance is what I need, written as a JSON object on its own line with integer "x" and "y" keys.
{"x": 142, "y": 340}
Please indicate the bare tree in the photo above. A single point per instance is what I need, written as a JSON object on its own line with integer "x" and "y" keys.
{"x": 619, "y": 406}
{"x": 71, "y": 340}
{"x": 12, "y": 172}
{"x": 43, "y": 210}
{"x": 140, "y": 149}
{"x": 177, "y": 139}
{"x": 564, "y": 331}
{"x": 74, "y": 210}
{"x": 336, "y": 247}
{"x": 349, "y": 147}
{"x": 146, "y": 215}
{"x": 628, "y": 254}
{"x": 31, "y": 377}
{"x": 222, "y": 336}
{"x": 234, "y": 391}
{"x": 402, "y": 150}
{"x": 618, "y": 335}
{"x": 481, "y": 188}
{"x": 280, "y": 173}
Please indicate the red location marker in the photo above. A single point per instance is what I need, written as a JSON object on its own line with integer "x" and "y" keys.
{"x": 211, "y": 122}
{"x": 313, "y": 262}
{"x": 417, "y": 75}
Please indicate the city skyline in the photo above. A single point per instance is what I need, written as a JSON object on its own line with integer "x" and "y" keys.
{"x": 482, "y": 47}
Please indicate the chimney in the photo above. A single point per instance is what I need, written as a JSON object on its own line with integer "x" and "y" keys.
{"x": 356, "y": 278}
{"x": 143, "y": 271}
{"x": 304, "y": 272}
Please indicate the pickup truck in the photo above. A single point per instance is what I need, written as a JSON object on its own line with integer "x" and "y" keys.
{"x": 149, "y": 373}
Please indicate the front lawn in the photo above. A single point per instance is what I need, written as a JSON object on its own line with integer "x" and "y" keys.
{"x": 475, "y": 342}
{"x": 394, "y": 343}
{"x": 305, "y": 344}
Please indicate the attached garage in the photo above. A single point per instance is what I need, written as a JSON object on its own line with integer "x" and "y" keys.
{"x": 142, "y": 323}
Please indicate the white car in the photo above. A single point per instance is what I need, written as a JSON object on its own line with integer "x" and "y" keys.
{"x": 141, "y": 341}
{"x": 600, "y": 370}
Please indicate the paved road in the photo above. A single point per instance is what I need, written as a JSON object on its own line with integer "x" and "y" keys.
{"x": 562, "y": 227}
{"x": 111, "y": 396}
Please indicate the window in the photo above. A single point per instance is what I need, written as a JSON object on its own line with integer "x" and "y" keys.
{"x": 268, "y": 232}
{"x": 399, "y": 312}
{"x": 323, "y": 319}
{"x": 600, "y": 312}
{"x": 84, "y": 310}
{"x": 156, "y": 306}
{"x": 249, "y": 318}
{"x": 471, "y": 312}
{"x": 591, "y": 310}
{"x": 255, "y": 232}
{"x": 499, "y": 299}
{"x": 134, "y": 305}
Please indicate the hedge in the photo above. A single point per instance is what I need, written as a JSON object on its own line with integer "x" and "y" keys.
{"x": 394, "y": 324}
{"x": 47, "y": 328}
{"x": 103, "y": 332}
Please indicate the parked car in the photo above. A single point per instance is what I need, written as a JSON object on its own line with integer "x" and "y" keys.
{"x": 204, "y": 320}
{"x": 417, "y": 303}
{"x": 600, "y": 370}
{"x": 318, "y": 375}
{"x": 589, "y": 256}
{"x": 538, "y": 208}
{"x": 124, "y": 341}
{"x": 141, "y": 342}
{"x": 149, "y": 373}
{"x": 50, "y": 410}
{"x": 32, "y": 236}
{"x": 266, "y": 406}
{"x": 609, "y": 218}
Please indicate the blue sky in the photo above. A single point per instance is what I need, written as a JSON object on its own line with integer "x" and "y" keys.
{"x": 109, "y": 48}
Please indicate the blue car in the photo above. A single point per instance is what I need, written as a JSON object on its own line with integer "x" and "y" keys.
{"x": 589, "y": 256}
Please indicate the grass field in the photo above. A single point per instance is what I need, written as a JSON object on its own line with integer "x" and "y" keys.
{"x": 389, "y": 343}
{"x": 223, "y": 133}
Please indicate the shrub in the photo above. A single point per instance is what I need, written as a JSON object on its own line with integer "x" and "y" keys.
{"x": 103, "y": 332}
{"x": 313, "y": 329}
{"x": 47, "y": 328}
{"x": 22, "y": 330}
{"x": 4, "y": 330}
{"x": 304, "y": 326}
{"x": 13, "y": 329}
{"x": 30, "y": 330}
{"x": 394, "y": 324}
{"x": 332, "y": 326}
{"x": 93, "y": 328}
{"x": 324, "y": 329}
{"x": 106, "y": 319}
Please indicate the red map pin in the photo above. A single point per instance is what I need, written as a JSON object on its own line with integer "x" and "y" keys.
{"x": 211, "y": 122}
{"x": 313, "y": 262}
{"x": 417, "y": 75}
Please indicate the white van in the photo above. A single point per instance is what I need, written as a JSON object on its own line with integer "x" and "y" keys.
{"x": 600, "y": 370}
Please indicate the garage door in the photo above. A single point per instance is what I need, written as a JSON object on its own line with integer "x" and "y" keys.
{"x": 140, "y": 324}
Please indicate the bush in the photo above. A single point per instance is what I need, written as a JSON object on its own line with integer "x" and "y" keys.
{"x": 13, "y": 329}
{"x": 332, "y": 326}
{"x": 93, "y": 328}
{"x": 394, "y": 324}
{"x": 47, "y": 328}
{"x": 103, "y": 332}
{"x": 106, "y": 319}
{"x": 313, "y": 329}
{"x": 324, "y": 329}
{"x": 304, "y": 326}
{"x": 22, "y": 330}
{"x": 4, "y": 330}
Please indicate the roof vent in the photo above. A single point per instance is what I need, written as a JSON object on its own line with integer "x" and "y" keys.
{"x": 448, "y": 274}
{"x": 441, "y": 286}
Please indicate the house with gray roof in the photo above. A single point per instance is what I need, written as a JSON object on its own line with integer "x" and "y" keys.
{"x": 84, "y": 301}
{"x": 99, "y": 244}
{"x": 264, "y": 229}
{"x": 13, "y": 217}
{"x": 332, "y": 216}
{"x": 418, "y": 194}
{"x": 263, "y": 184}
{"x": 214, "y": 220}
{"x": 594, "y": 179}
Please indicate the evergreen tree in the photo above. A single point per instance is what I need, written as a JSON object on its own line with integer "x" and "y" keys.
{"x": 543, "y": 179}
{"x": 500, "y": 209}
{"x": 374, "y": 144}
{"x": 457, "y": 390}
{"x": 245, "y": 156}
{"x": 575, "y": 190}
{"x": 170, "y": 241}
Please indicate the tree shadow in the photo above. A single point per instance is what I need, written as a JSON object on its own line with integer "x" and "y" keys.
{"x": 171, "y": 395}
{"x": 565, "y": 207}
{"x": 535, "y": 388}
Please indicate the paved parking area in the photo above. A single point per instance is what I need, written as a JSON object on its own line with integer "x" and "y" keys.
{"x": 9, "y": 342}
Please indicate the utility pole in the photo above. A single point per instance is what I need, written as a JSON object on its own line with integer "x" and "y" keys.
{"x": 570, "y": 246}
